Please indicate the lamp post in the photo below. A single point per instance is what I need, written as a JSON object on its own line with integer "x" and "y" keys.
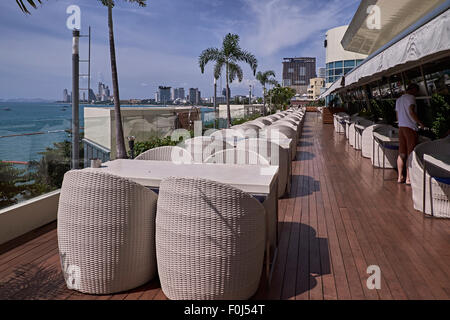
{"x": 215, "y": 101}
{"x": 75, "y": 99}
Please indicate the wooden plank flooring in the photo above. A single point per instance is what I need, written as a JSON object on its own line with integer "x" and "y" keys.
{"x": 340, "y": 218}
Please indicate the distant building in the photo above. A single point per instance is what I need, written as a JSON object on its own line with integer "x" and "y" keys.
{"x": 164, "y": 94}
{"x": 178, "y": 93}
{"x": 157, "y": 98}
{"x": 194, "y": 96}
{"x": 66, "y": 97}
{"x": 297, "y": 72}
{"x": 224, "y": 92}
{"x": 104, "y": 93}
{"x": 92, "y": 96}
{"x": 322, "y": 73}
{"x": 315, "y": 88}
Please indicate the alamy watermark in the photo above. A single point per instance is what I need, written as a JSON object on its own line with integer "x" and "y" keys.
{"x": 374, "y": 281}
{"x": 373, "y": 21}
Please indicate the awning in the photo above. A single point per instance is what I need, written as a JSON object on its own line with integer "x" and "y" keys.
{"x": 429, "y": 40}
{"x": 365, "y": 36}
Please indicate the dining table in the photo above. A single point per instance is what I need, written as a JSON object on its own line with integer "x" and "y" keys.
{"x": 261, "y": 181}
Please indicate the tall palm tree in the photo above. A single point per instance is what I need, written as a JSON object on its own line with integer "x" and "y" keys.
{"x": 228, "y": 56}
{"x": 265, "y": 78}
{"x": 23, "y": 6}
{"x": 120, "y": 140}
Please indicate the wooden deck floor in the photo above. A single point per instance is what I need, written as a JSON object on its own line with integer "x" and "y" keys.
{"x": 339, "y": 219}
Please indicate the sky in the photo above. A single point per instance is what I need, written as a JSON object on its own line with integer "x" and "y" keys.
{"x": 159, "y": 44}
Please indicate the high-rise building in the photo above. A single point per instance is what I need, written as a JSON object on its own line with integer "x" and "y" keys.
{"x": 224, "y": 92}
{"x": 164, "y": 94}
{"x": 66, "y": 96}
{"x": 157, "y": 98}
{"x": 297, "y": 72}
{"x": 178, "y": 93}
{"x": 339, "y": 61}
{"x": 322, "y": 73}
{"x": 92, "y": 96}
{"x": 194, "y": 96}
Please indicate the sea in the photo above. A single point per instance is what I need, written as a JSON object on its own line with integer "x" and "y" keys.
{"x": 50, "y": 119}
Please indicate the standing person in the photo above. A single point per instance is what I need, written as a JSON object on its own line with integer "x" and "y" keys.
{"x": 408, "y": 123}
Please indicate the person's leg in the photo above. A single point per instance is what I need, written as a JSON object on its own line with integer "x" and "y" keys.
{"x": 401, "y": 160}
{"x": 412, "y": 139}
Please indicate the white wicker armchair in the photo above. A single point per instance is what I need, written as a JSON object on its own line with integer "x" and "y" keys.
{"x": 440, "y": 198}
{"x": 355, "y": 136}
{"x": 202, "y": 147}
{"x": 276, "y": 155}
{"x": 210, "y": 240}
{"x": 389, "y": 152}
{"x": 367, "y": 140}
{"x": 106, "y": 232}
{"x": 237, "y": 156}
{"x": 168, "y": 153}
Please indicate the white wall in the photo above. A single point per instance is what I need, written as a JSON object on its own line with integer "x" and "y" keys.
{"x": 335, "y": 51}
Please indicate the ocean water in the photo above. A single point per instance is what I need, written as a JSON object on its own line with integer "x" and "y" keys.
{"x": 50, "y": 118}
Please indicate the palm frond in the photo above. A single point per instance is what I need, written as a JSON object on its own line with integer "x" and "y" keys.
{"x": 235, "y": 71}
{"x": 211, "y": 54}
{"x": 218, "y": 68}
{"x": 248, "y": 58}
{"x": 23, "y": 6}
{"x": 230, "y": 45}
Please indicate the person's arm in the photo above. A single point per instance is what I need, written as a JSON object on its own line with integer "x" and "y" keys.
{"x": 413, "y": 114}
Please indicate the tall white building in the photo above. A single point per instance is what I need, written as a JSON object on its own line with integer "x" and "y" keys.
{"x": 339, "y": 62}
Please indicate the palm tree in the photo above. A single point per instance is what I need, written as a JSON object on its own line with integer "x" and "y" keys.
{"x": 120, "y": 140}
{"x": 23, "y": 6}
{"x": 266, "y": 78}
{"x": 228, "y": 56}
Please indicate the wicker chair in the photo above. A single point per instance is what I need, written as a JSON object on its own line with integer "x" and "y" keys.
{"x": 210, "y": 240}
{"x": 441, "y": 191}
{"x": 248, "y": 130}
{"x": 256, "y": 123}
{"x": 277, "y": 156}
{"x": 237, "y": 156}
{"x": 277, "y": 136}
{"x": 338, "y": 127}
{"x": 230, "y": 136}
{"x": 355, "y": 138}
{"x": 290, "y": 132}
{"x": 202, "y": 147}
{"x": 367, "y": 140}
{"x": 168, "y": 153}
{"x": 389, "y": 153}
{"x": 352, "y": 119}
{"x": 265, "y": 121}
{"x": 106, "y": 232}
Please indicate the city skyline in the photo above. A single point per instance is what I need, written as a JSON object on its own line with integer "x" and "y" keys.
{"x": 148, "y": 59}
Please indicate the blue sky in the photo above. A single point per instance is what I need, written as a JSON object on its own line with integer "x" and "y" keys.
{"x": 159, "y": 44}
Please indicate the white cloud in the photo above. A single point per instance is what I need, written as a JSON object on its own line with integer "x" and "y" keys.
{"x": 280, "y": 24}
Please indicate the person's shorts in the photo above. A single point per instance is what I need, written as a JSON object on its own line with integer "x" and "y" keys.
{"x": 408, "y": 140}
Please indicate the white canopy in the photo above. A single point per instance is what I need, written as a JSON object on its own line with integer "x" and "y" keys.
{"x": 430, "y": 39}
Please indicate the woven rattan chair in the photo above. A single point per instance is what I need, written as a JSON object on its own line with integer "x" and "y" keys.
{"x": 167, "y": 153}
{"x": 202, "y": 147}
{"x": 106, "y": 233}
{"x": 355, "y": 137}
{"x": 230, "y": 136}
{"x": 338, "y": 127}
{"x": 290, "y": 132}
{"x": 265, "y": 121}
{"x": 248, "y": 130}
{"x": 389, "y": 152}
{"x": 367, "y": 140}
{"x": 440, "y": 198}
{"x": 277, "y": 156}
{"x": 210, "y": 240}
{"x": 238, "y": 156}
